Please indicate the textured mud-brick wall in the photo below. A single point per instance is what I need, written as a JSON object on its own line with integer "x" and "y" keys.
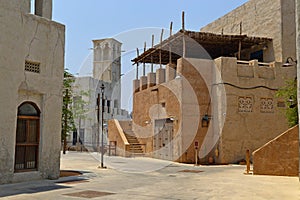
{"x": 279, "y": 156}
{"x": 262, "y": 18}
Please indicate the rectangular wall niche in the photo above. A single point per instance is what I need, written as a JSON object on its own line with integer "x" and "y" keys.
{"x": 31, "y": 66}
{"x": 266, "y": 105}
{"x": 245, "y": 104}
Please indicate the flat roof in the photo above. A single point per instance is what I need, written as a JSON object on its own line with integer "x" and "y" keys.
{"x": 198, "y": 45}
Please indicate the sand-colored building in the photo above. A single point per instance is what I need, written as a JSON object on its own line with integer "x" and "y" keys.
{"x": 31, "y": 71}
{"x": 214, "y": 96}
{"x": 106, "y": 70}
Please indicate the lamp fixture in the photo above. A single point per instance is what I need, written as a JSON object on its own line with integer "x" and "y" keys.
{"x": 289, "y": 62}
{"x": 293, "y": 104}
{"x": 205, "y": 120}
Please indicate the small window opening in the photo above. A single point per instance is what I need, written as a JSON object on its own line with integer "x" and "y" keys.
{"x": 257, "y": 55}
{"x": 108, "y": 106}
{"x": 31, "y": 66}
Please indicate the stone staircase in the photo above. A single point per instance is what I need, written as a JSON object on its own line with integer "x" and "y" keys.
{"x": 124, "y": 140}
{"x": 135, "y": 147}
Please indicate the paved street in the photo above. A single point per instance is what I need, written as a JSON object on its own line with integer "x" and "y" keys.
{"x": 145, "y": 178}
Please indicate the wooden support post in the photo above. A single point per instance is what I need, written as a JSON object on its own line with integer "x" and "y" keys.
{"x": 170, "y": 49}
{"x": 183, "y": 28}
{"x": 183, "y": 46}
{"x": 241, "y": 28}
{"x": 240, "y": 42}
{"x": 240, "y": 49}
{"x": 196, "y": 156}
{"x": 151, "y": 53}
{"x": 137, "y": 64}
{"x": 144, "y": 66}
{"x": 183, "y": 39}
{"x": 247, "y": 161}
{"x": 161, "y": 37}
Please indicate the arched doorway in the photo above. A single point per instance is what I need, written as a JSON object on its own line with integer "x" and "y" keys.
{"x": 27, "y": 137}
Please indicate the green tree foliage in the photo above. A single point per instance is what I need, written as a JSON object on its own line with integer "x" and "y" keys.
{"x": 68, "y": 124}
{"x": 289, "y": 94}
{"x": 74, "y": 107}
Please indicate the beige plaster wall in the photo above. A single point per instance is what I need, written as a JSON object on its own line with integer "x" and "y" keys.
{"x": 185, "y": 99}
{"x": 262, "y": 18}
{"x": 147, "y": 107}
{"x": 280, "y": 156}
{"x": 198, "y": 91}
{"x": 250, "y": 130}
{"x": 28, "y": 37}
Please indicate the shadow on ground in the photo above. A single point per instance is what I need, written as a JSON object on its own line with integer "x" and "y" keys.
{"x": 66, "y": 177}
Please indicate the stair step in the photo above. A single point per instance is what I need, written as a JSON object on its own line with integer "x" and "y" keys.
{"x": 133, "y": 142}
{"x": 131, "y": 137}
{"x": 128, "y": 138}
{"x": 136, "y": 151}
{"x": 137, "y": 154}
{"x": 136, "y": 148}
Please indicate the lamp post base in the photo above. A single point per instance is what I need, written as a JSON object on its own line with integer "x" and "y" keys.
{"x": 100, "y": 167}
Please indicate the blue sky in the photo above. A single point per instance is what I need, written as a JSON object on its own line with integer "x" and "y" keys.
{"x": 131, "y": 21}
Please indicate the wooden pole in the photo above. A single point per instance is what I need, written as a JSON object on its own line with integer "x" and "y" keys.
{"x": 240, "y": 49}
{"x": 241, "y": 28}
{"x": 161, "y": 38}
{"x": 183, "y": 28}
{"x": 144, "y": 66}
{"x": 240, "y": 42}
{"x": 183, "y": 46}
{"x": 183, "y": 39}
{"x": 151, "y": 53}
{"x": 137, "y": 64}
{"x": 196, "y": 156}
{"x": 248, "y": 161}
{"x": 170, "y": 49}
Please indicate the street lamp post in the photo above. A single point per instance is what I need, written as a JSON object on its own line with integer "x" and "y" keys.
{"x": 102, "y": 121}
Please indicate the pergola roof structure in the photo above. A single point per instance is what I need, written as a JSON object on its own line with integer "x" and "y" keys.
{"x": 198, "y": 45}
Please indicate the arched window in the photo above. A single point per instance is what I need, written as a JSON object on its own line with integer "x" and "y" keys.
{"x": 27, "y": 137}
{"x": 106, "y": 52}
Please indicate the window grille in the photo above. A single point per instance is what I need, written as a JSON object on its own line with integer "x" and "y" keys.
{"x": 266, "y": 105}
{"x": 32, "y": 66}
{"x": 245, "y": 104}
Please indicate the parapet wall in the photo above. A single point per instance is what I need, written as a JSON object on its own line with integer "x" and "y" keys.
{"x": 248, "y": 74}
{"x": 262, "y": 18}
{"x": 280, "y": 156}
{"x": 251, "y": 105}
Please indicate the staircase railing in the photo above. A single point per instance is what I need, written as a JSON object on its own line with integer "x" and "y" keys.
{"x": 121, "y": 132}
